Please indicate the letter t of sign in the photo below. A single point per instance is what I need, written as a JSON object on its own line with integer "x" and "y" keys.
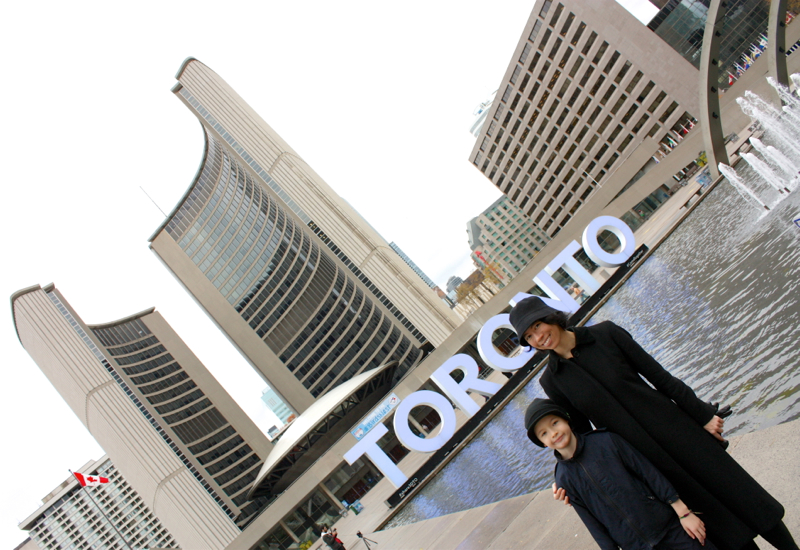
{"x": 368, "y": 445}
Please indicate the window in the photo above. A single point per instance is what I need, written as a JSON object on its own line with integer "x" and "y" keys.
{"x": 608, "y": 94}
{"x": 634, "y": 81}
{"x": 515, "y": 75}
{"x": 586, "y": 76}
{"x": 575, "y": 67}
{"x": 620, "y": 101}
{"x": 668, "y": 112}
{"x": 507, "y": 93}
{"x": 583, "y": 106}
{"x": 556, "y": 14}
{"x": 544, "y": 70}
{"x": 554, "y": 79}
{"x": 600, "y": 52}
{"x": 654, "y": 130}
{"x": 630, "y": 113}
{"x": 545, "y": 38}
{"x": 641, "y": 123}
{"x": 646, "y": 91}
{"x": 571, "y": 125}
{"x": 554, "y": 49}
{"x": 611, "y": 62}
{"x": 622, "y": 72}
{"x": 589, "y": 43}
{"x": 600, "y": 81}
{"x": 565, "y": 58}
{"x": 574, "y": 98}
{"x": 534, "y": 61}
{"x": 582, "y": 133}
{"x": 524, "y": 82}
{"x": 525, "y": 51}
{"x": 604, "y": 125}
{"x": 578, "y": 33}
{"x": 552, "y": 108}
{"x": 625, "y": 142}
{"x": 535, "y": 31}
{"x": 657, "y": 101}
{"x": 615, "y": 133}
{"x": 594, "y": 115}
{"x": 567, "y": 23}
{"x": 563, "y": 115}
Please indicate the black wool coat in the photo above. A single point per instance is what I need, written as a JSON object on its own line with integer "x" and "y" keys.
{"x": 602, "y": 383}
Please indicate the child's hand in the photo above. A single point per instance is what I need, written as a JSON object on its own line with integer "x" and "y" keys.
{"x": 560, "y": 494}
{"x": 694, "y": 527}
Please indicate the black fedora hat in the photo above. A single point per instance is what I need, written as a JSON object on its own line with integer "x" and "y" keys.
{"x": 538, "y": 409}
{"x": 527, "y": 312}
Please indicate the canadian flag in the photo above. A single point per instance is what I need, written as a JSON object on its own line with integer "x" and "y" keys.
{"x": 89, "y": 481}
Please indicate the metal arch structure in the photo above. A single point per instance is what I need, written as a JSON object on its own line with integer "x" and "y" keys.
{"x": 776, "y": 50}
{"x": 711, "y": 122}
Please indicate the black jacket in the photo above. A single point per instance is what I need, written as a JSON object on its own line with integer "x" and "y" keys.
{"x": 603, "y": 384}
{"x": 621, "y": 498}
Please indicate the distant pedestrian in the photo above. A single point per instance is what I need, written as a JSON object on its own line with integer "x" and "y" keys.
{"x": 331, "y": 538}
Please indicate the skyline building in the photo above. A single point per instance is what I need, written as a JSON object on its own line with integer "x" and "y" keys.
{"x": 504, "y": 239}
{"x": 273, "y": 401}
{"x": 272, "y": 255}
{"x": 681, "y": 24}
{"x": 412, "y": 265}
{"x": 580, "y": 97}
{"x": 163, "y": 419}
{"x": 113, "y": 516}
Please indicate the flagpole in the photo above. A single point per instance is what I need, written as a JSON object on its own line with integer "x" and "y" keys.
{"x": 99, "y": 509}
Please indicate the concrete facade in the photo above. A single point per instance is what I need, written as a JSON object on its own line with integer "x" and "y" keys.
{"x": 70, "y": 516}
{"x": 581, "y": 96}
{"x": 151, "y": 448}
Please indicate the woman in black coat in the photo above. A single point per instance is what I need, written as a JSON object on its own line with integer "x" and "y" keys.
{"x": 596, "y": 374}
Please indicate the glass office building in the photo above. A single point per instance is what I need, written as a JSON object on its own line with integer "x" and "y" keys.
{"x": 681, "y": 23}
{"x": 286, "y": 289}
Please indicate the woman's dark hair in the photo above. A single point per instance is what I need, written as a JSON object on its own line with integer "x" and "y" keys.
{"x": 559, "y": 318}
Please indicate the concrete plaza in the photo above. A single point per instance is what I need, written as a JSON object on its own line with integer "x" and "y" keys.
{"x": 536, "y": 521}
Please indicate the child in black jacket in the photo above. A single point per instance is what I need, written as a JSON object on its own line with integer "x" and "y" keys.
{"x": 620, "y": 496}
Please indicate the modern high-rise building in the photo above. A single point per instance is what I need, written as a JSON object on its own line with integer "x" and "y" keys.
{"x": 298, "y": 281}
{"x": 274, "y": 403}
{"x": 681, "y": 24}
{"x": 453, "y": 282}
{"x": 412, "y": 265}
{"x": 168, "y": 426}
{"x": 588, "y": 88}
{"x": 504, "y": 239}
{"x": 112, "y": 515}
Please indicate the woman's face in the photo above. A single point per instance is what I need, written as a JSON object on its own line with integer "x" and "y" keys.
{"x": 543, "y": 336}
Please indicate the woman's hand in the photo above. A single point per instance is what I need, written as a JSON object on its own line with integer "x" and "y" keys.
{"x": 714, "y": 427}
{"x": 560, "y": 494}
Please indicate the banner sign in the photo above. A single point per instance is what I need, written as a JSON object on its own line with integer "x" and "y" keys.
{"x": 380, "y": 412}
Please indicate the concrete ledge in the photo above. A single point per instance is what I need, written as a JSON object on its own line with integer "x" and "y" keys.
{"x": 536, "y": 521}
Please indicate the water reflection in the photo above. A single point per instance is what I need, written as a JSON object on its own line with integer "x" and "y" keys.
{"x": 717, "y": 304}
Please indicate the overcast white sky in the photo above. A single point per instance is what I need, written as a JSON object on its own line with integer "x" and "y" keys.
{"x": 377, "y": 97}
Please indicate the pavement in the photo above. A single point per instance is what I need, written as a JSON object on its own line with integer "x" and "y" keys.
{"x": 536, "y": 521}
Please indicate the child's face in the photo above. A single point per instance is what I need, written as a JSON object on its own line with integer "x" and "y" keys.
{"x": 554, "y": 432}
